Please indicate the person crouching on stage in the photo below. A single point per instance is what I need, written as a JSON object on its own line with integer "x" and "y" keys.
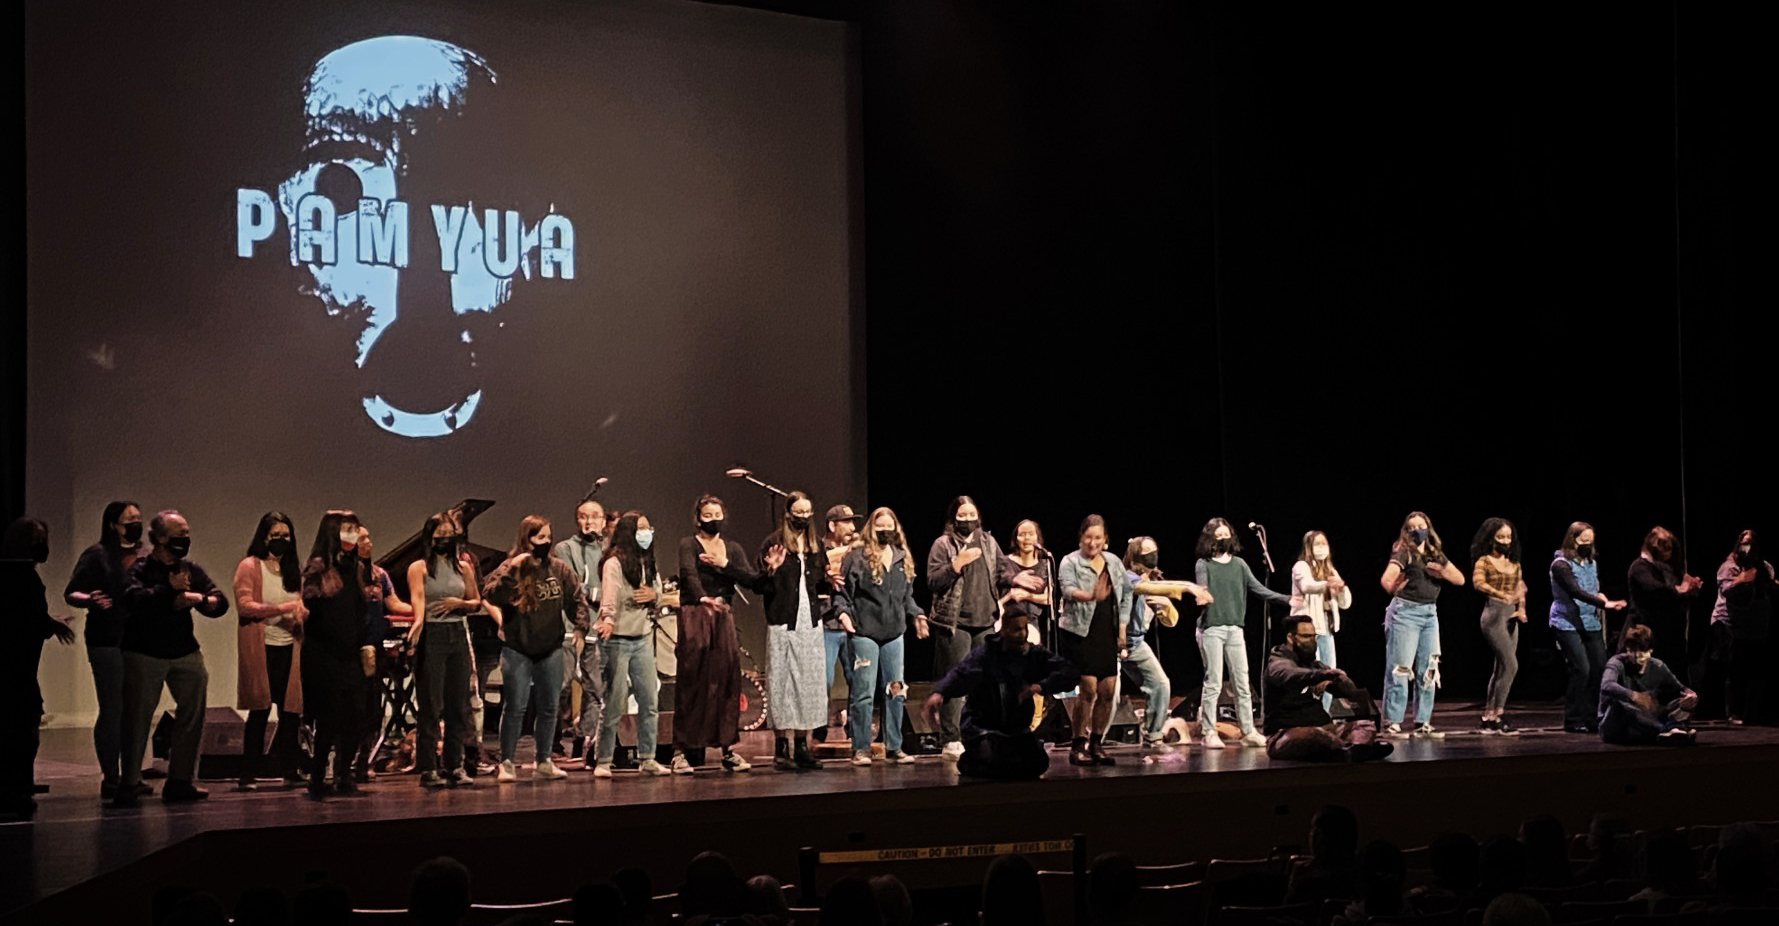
{"x": 1222, "y": 639}
{"x": 539, "y": 596}
{"x": 630, "y": 590}
{"x": 795, "y": 648}
{"x": 337, "y": 590}
{"x": 1096, "y": 602}
{"x": 707, "y": 688}
{"x": 876, "y": 606}
{"x": 1000, "y": 683}
{"x": 1641, "y": 702}
{"x": 581, "y": 655}
{"x": 376, "y": 630}
{"x": 443, "y": 590}
{"x": 269, "y": 605}
{"x": 1318, "y": 592}
{"x": 1298, "y": 727}
{"x": 1140, "y": 557}
{"x": 160, "y": 649}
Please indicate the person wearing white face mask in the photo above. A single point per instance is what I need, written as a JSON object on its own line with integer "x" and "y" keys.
{"x": 629, "y": 588}
{"x": 1320, "y": 594}
{"x": 1641, "y": 702}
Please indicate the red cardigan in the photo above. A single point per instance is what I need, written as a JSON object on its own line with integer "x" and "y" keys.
{"x": 253, "y": 685}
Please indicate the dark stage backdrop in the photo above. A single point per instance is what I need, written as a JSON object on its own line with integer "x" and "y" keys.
{"x": 665, "y": 288}
{"x": 1317, "y": 269}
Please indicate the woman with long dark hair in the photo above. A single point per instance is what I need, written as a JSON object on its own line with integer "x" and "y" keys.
{"x": 1660, "y": 593}
{"x": 795, "y": 647}
{"x": 707, "y": 688}
{"x": 1577, "y": 618}
{"x": 630, "y": 590}
{"x": 541, "y": 599}
{"x": 337, "y": 590}
{"x": 876, "y": 607}
{"x": 443, "y": 591}
{"x": 1411, "y": 623}
{"x": 97, "y": 584}
{"x": 1222, "y": 629}
{"x": 1090, "y": 634}
{"x": 963, "y": 571}
{"x": 269, "y": 607}
{"x": 1746, "y": 594}
{"x": 1497, "y": 575}
{"x": 23, "y": 547}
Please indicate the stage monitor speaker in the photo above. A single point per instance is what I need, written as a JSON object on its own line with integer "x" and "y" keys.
{"x": 219, "y": 752}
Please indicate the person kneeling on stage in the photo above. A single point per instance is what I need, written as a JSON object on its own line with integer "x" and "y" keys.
{"x": 1641, "y": 702}
{"x": 1000, "y": 682}
{"x": 1298, "y": 727}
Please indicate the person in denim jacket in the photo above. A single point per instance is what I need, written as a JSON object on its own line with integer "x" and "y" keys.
{"x": 1096, "y": 602}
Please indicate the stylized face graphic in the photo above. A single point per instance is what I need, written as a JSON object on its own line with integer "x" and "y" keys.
{"x": 376, "y": 113}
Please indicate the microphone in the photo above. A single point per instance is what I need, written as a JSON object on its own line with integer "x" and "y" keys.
{"x": 1256, "y": 527}
{"x": 597, "y": 485}
{"x": 737, "y": 472}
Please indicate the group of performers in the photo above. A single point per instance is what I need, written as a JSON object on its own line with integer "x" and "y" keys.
{"x": 581, "y": 607}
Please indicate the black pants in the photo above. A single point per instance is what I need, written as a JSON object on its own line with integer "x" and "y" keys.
{"x": 443, "y": 670}
{"x": 334, "y": 695}
{"x": 285, "y": 744}
{"x": 1584, "y": 652}
{"x": 1003, "y": 756}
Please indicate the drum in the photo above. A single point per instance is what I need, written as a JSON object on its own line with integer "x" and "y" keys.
{"x": 753, "y": 701}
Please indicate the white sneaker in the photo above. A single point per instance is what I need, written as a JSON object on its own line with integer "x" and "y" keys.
{"x": 651, "y": 767}
{"x": 1394, "y": 731}
{"x": 547, "y": 771}
{"x": 736, "y": 762}
{"x": 1426, "y": 732}
{"x": 602, "y": 770}
{"x": 861, "y": 758}
{"x": 1213, "y": 741}
{"x": 681, "y": 766}
{"x": 507, "y": 772}
{"x": 952, "y": 752}
{"x": 1254, "y": 739}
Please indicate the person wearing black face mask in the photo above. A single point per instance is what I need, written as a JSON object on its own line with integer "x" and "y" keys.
{"x": 269, "y": 606}
{"x": 161, "y": 650}
{"x": 23, "y": 547}
{"x": 97, "y": 585}
{"x": 443, "y": 590}
{"x": 792, "y": 581}
{"x": 1741, "y": 624}
{"x": 707, "y": 688}
{"x": 1411, "y": 624}
{"x": 540, "y": 597}
{"x": 876, "y": 605}
{"x": 1497, "y": 575}
{"x": 963, "y": 567}
{"x": 1298, "y": 728}
{"x": 1578, "y": 620}
{"x": 338, "y": 590}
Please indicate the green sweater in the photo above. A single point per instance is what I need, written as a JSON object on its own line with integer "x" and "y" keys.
{"x": 1229, "y": 584}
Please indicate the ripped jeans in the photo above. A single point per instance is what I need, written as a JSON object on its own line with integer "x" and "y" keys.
{"x": 1411, "y": 644}
{"x": 876, "y": 667}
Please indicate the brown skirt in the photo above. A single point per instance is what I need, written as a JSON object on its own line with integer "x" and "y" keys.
{"x": 707, "y": 688}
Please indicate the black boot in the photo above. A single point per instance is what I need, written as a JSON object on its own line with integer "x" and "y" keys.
{"x": 1078, "y": 754}
{"x": 1096, "y": 747}
{"x": 781, "y": 756}
{"x": 805, "y": 759}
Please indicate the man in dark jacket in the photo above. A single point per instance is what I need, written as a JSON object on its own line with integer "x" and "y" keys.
{"x": 1000, "y": 681}
{"x": 1641, "y": 702}
{"x": 1297, "y": 726}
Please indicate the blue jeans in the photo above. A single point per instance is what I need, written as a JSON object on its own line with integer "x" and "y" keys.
{"x": 876, "y": 667}
{"x": 837, "y": 644}
{"x": 629, "y": 671}
{"x": 108, "y": 684}
{"x": 522, "y": 677}
{"x": 1411, "y": 633}
{"x": 1155, "y": 688}
{"x": 1325, "y": 655}
{"x": 1584, "y": 652}
{"x": 1222, "y": 646}
{"x": 1625, "y": 725}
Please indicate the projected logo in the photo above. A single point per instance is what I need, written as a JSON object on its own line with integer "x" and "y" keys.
{"x": 391, "y": 121}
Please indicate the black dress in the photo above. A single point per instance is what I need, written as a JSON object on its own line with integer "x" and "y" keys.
{"x": 1097, "y": 653}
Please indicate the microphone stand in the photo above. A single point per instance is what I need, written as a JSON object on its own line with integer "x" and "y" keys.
{"x": 1266, "y": 625}
{"x": 772, "y": 491}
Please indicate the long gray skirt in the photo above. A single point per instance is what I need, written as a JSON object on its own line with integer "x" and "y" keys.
{"x": 797, "y": 677}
